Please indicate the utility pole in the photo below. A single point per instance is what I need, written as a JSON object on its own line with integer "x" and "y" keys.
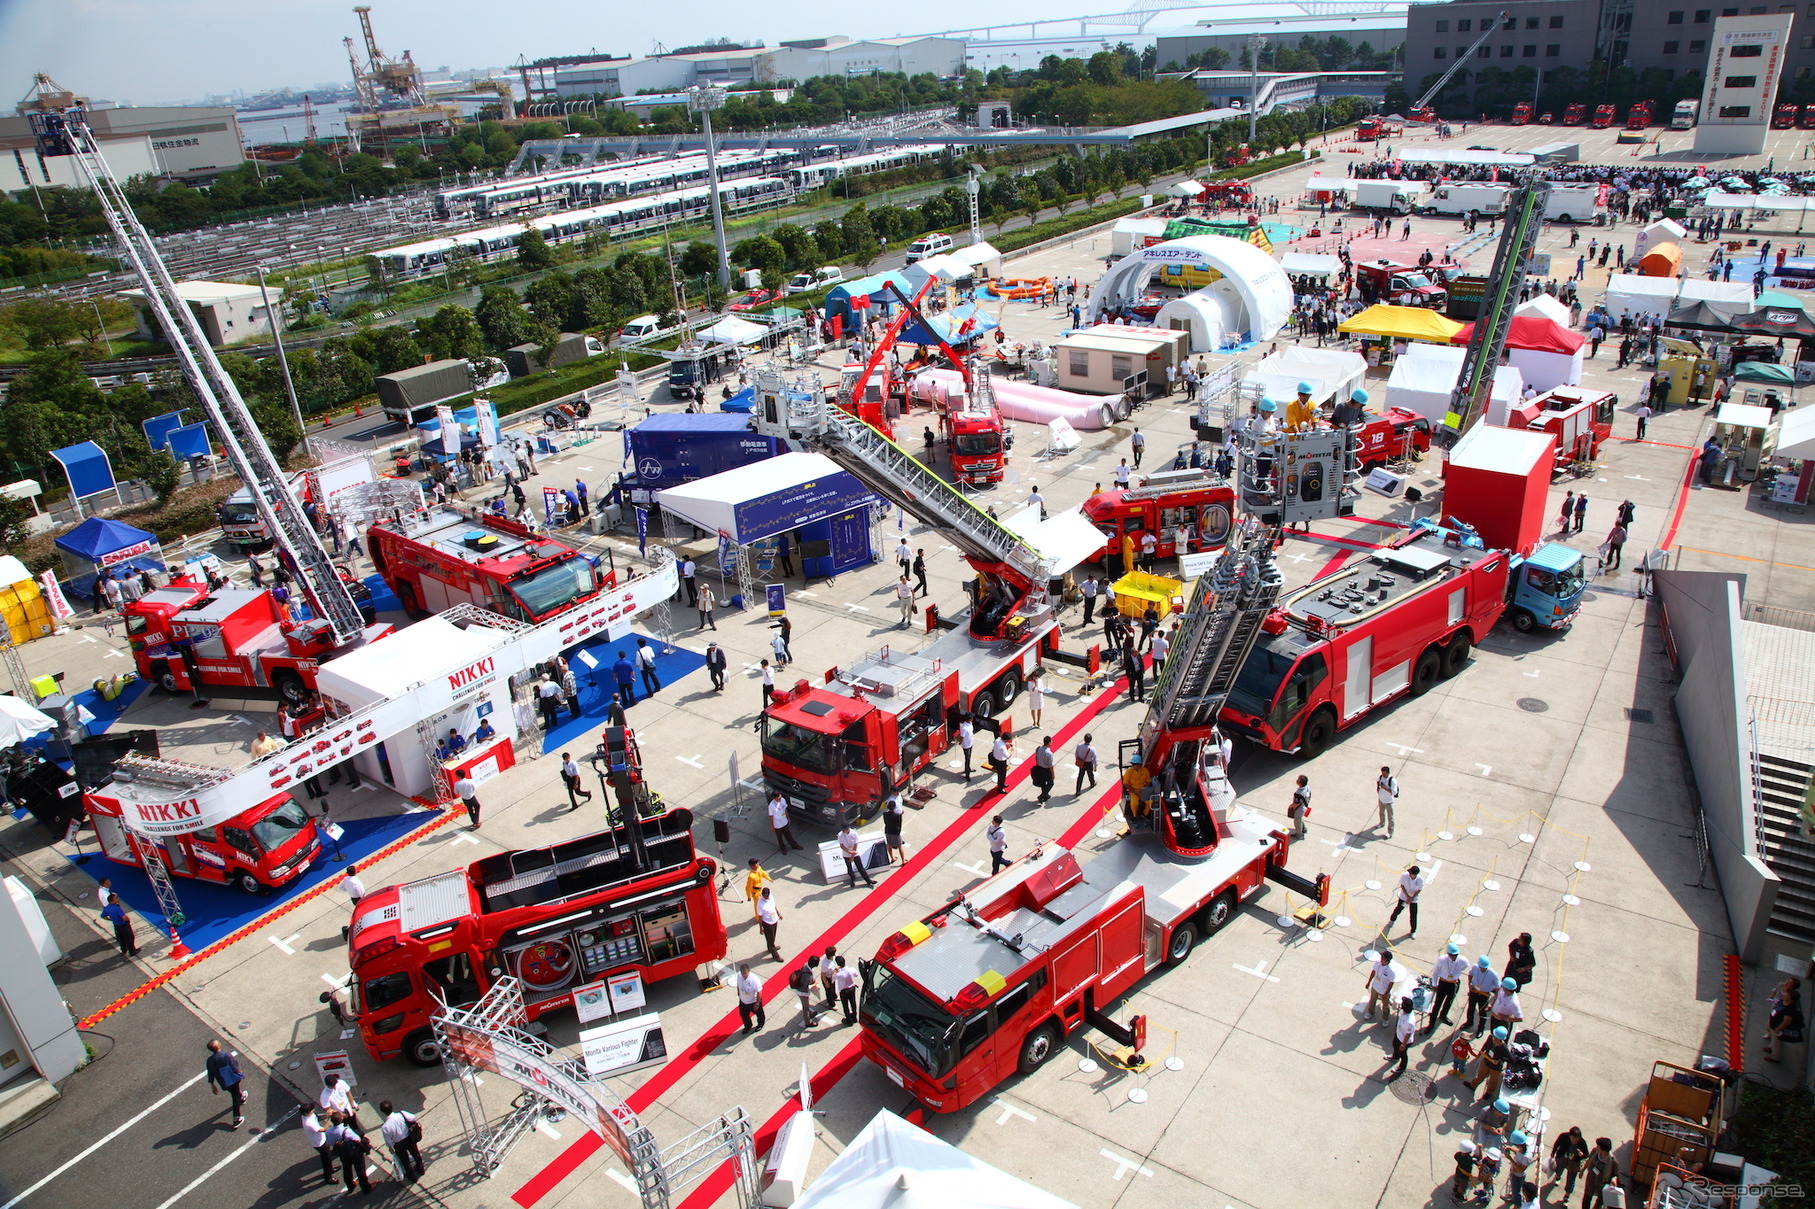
{"x": 703, "y": 99}
{"x": 972, "y": 186}
{"x": 283, "y": 361}
{"x": 1255, "y": 44}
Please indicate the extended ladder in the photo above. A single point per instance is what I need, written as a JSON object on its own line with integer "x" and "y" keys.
{"x": 61, "y": 128}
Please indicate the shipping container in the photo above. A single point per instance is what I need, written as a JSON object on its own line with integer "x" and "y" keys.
{"x": 409, "y": 395}
{"x": 525, "y": 359}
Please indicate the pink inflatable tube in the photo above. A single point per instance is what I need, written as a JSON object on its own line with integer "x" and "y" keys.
{"x": 1027, "y": 402}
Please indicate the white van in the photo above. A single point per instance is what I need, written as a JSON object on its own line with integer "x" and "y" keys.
{"x": 829, "y": 274}
{"x": 640, "y": 328}
{"x": 928, "y": 245}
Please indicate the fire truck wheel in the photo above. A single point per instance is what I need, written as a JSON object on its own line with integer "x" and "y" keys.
{"x": 1008, "y": 690}
{"x": 420, "y": 1048}
{"x": 1317, "y": 734}
{"x": 1427, "y": 671}
{"x": 1220, "y": 911}
{"x": 1184, "y": 939}
{"x": 289, "y": 686}
{"x": 1455, "y": 655}
{"x": 1040, "y": 1045}
{"x": 406, "y": 599}
{"x": 983, "y": 705}
{"x": 167, "y": 682}
{"x": 247, "y": 883}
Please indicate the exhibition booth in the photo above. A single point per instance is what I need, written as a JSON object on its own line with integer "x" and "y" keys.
{"x": 1423, "y": 380}
{"x": 1332, "y": 373}
{"x": 1251, "y": 299}
{"x": 99, "y": 544}
{"x": 1545, "y": 352}
{"x": 806, "y": 495}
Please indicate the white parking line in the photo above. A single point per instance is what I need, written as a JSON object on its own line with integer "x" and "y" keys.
{"x": 249, "y": 1143}
{"x": 1259, "y": 970}
{"x": 284, "y": 945}
{"x": 1124, "y": 1166}
{"x": 694, "y": 760}
{"x": 197, "y": 1078}
{"x": 1009, "y": 1110}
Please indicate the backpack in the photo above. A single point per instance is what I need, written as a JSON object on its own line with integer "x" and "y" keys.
{"x": 801, "y": 981}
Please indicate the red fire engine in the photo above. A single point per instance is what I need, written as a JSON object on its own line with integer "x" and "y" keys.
{"x": 1575, "y": 114}
{"x": 1603, "y": 116}
{"x": 1392, "y": 624}
{"x": 260, "y": 849}
{"x": 441, "y": 557}
{"x": 1639, "y": 116}
{"x": 1785, "y": 117}
{"x": 1390, "y": 436}
{"x": 1580, "y": 416}
{"x": 1521, "y": 114}
{"x": 184, "y": 636}
{"x": 1195, "y": 500}
{"x": 633, "y": 897}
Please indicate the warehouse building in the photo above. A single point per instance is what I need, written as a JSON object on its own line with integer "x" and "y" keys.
{"x": 188, "y": 142}
{"x": 731, "y": 67}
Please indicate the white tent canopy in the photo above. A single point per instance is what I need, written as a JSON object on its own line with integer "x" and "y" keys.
{"x": 1062, "y": 540}
{"x": 1547, "y": 306}
{"x": 1331, "y": 373}
{"x": 1730, "y": 298}
{"x": 1260, "y": 296}
{"x": 1130, "y": 233}
{"x": 1660, "y": 232}
{"x": 1640, "y": 295}
{"x": 894, "y": 1165}
{"x": 1486, "y": 159}
{"x": 1745, "y": 201}
{"x": 1423, "y": 378}
{"x": 1186, "y": 188}
{"x": 19, "y": 721}
{"x": 980, "y": 258}
{"x": 381, "y": 671}
{"x": 1206, "y": 314}
{"x": 776, "y": 495}
{"x": 732, "y": 330}
{"x": 1311, "y": 262}
{"x": 1796, "y": 435}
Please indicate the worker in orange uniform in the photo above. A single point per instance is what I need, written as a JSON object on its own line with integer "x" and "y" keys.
{"x": 1301, "y": 411}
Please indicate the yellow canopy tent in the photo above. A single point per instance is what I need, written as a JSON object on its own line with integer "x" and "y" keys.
{"x": 1402, "y": 323}
{"x": 22, "y": 603}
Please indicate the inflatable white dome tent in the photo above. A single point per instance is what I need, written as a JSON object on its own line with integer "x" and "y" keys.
{"x": 1252, "y": 299}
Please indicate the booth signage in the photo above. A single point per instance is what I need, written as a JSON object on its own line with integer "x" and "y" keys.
{"x": 591, "y": 1002}
{"x": 129, "y": 552}
{"x": 627, "y": 1045}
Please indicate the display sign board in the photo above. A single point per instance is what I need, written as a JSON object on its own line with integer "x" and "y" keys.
{"x": 626, "y": 992}
{"x": 336, "y": 1062}
{"x": 87, "y": 465}
{"x": 624, "y": 1046}
{"x": 872, "y": 850}
{"x": 591, "y": 1002}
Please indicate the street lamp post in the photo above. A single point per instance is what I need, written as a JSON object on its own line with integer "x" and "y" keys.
{"x": 101, "y": 324}
{"x": 1255, "y": 45}
{"x": 703, "y": 99}
{"x": 276, "y": 320}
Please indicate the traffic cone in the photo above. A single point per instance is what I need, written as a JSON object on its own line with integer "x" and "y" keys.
{"x": 178, "y": 950}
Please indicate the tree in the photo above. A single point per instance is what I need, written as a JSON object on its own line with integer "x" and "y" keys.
{"x": 501, "y": 317}
{"x": 162, "y": 474}
{"x": 15, "y": 518}
{"x": 859, "y": 234}
{"x": 533, "y": 251}
{"x": 698, "y": 259}
{"x": 1105, "y": 68}
{"x": 757, "y": 252}
{"x": 450, "y": 333}
{"x": 44, "y": 323}
{"x": 550, "y": 299}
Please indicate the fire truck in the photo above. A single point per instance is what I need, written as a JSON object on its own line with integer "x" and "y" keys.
{"x": 1401, "y": 284}
{"x": 1639, "y": 116}
{"x": 988, "y": 986}
{"x": 1603, "y": 116}
{"x": 1521, "y": 114}
{"x": 440, "y": 557}
{"x": 1785, "y": 117}
{"x": 1195, "y": 500}
{"x": 1393, "y": 435}
{"x": 256, "y": 851}
{"x": 837, "y": 749}
{"x": 1808, "y": 118}
{"x": 244, "y": 528}
{"x": 1575, "y": 114}
{"x": 1580, "y": 416}
{"x": 1370, "y": 130}
{"x": 635, "y": 897}
{"x": 184, "y": 636}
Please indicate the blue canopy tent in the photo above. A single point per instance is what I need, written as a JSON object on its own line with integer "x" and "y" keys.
{"x": 959, "y": 325}
{"x": 99, "y": 543}
{"x": 877, "y": 298}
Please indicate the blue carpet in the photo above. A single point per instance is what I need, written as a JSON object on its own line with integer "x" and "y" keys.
{"x": 105, "y": 712}
{"x": 672, "y": 663}
{"x": 214, "y": 911}
{"x": 382, "y": 596}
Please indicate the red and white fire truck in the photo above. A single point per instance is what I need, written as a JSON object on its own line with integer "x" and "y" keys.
{"x": 1390, "y": 436}
{"x": 1393, "y": 623}
{"x": 634, "y": 897}
{"x": 837, "y": 749}
{"x": 245, "y": 529}
{"x": 1195, "y": 501}
{"x": 184, "y": 636}
{"x": 268, "y": 846}
{"x": 440, "y": 557}
{"x": 1580, "y": 416}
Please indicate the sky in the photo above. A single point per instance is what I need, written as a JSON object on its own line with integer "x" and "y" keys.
{"x": 149, "y": 52}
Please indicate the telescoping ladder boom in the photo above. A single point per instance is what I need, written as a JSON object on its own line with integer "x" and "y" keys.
{"x": 61, "y": 128}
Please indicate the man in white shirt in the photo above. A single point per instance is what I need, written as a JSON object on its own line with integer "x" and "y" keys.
{"x": 570, "y": 776}
{"x": 400, "y": 1138}
{"x": 749, "y": 999}
{"x": 688, "y": 571}
{"x": 1411, "y": 885}
{"x": 768, "y": 674}
{"x": 1506, "y": 1010}
{"x": 904, "y": 599}
{"x": 1089, "y": 589}
{"x": 853, "y": 860}
{"x": 1380, "y": 980}
{"x": 779, "y": 823}
{"x": 335, "y": 1097}
{"x": 768, "y": 918}
{"x": 998, "y": 846}
{"x": 351, "y": 883}
{"x": 1037, "y": 500}
{"x": 1386, "y": 792}
{"x": 1405, "y": 1028}
{"x": 468, "y": 792}
{"x": 1042, "y": 772}
{"x": 1123, "y": 474}
{"x": 967, "y": 739}
{"x": 844, "y": 981}
{"x": 1483, "y": 983}
{"x": 904, "y": 557}
{"x": 1446, "y": 975}
{"x": 315, "y": 1130}
{"x": 1161, "y": 645}
{"x": 998, "y": 762}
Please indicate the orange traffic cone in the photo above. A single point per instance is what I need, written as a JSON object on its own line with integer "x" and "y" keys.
{"x": 178, "y": 950}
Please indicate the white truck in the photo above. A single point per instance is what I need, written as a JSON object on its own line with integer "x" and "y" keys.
{"x": 1464, "y": 199}
{"x": 1393, "y": 197}
{"x": 1577, "y": 203}
{"x": 1686, "y": 114}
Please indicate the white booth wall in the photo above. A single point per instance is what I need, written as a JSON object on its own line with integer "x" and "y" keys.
{"x": 1425, "y": 375}
{"x": 1545, "y": 370}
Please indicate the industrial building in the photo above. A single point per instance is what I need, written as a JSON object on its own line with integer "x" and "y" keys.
{"x": 1380, "y": 30}
{"x": 228, "y": 312}
{"x": 185, "y": 142}
{"x": 797, "y": 60}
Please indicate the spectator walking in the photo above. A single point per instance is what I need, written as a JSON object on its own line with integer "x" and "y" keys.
{"x": 224, "y": 1075}
{"x": 844, "y": 981}
{"x": 689, "y": 580}
{"x": 768, "y": 919}
{"x": 904, "y": 599}
{"x": 1581, "y": 511}
{"x": 1616, "y": 540}
{"x": 768, "y": 677}
{"x": 780, "y": 824}
{"x": 920, "y": 587}
{"x": 624, "y": 675}
{"x": 1567, "y": 1154}
{"x": 468, "y": 792}
{"x": 652, "y": 684}
{"x": 1405, "y": 1029}
{"x": 1379, "y": 983}
{"x": 1137, "y": 444}
{"x": 1411, "y": 885}
{"x": 402, "y": 1133}
{"x": 715, "y": 665}
{"x": 1643, "y": 413}
{"x": 1601, "y": 1171}
{"x": 755, "y": 878}
{"x": 1085, "y": 757}
{"x": 749, "y": 999}
{"x": 1041, "y": 774}
{"x": 1300, "y": 808}
{"x": 998, "y": 846}
{"x": 998, "y": 762}
{"x": 1089, "y": 591}
{"x": 315, "y": 1131}
{"x": 1521, "y": 961}
{"x": 853, "y": 858}
{"x": 892, "y": 817}
{"x": 801, "y": 983}
{"x": 570, "y": 776}
{"x": 1386, "y": 793}
{"x": 703, "y": 602}
{"x": 904, "y": 557}
{"x": 115, "y": 913}
{"x": 350, "y": 1147}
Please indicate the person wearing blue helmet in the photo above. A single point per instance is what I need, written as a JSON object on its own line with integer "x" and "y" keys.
{"x": 1491, "y": 1065}
{"x": 1483, "y": 984}
{"x": 1506, "y": 1009}
{"x": 1301, "y": 410}
{"x": 1352, "y": 411}
{"x": 1446, "y": 977}
{"x": 1492, "y": 1122}
{"x": 1519, "y": 1154}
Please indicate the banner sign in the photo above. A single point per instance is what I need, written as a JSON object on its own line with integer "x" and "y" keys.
{"x": 450, "y": 431}
{"x": 488, "y": 422}
{"x": 777, "y": 597}
{"x": 627, "y": 1045}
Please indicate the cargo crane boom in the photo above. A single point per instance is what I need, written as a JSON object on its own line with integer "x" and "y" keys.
{"x": 1462, "y": 60}
{"x": 60, "y": 126}
{"x": 1518, "y": 236}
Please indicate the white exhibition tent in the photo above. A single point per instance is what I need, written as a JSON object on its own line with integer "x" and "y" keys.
{"x": 1425, "y": 375}
{"x": 380, "y": 671}
{"x": 1729, "y": 298}
{"x": 19, "y": 720}
{"x": 1186, "y": 188}
{"x": 981, "y": 259}
{"x": 1796, "y": 434}
{"x": 1630, "y": 292}
{"x": 1253, "y": 291}
{"x": 732, "y": 330}
{"x": 1312, "y": 263}
{"x": 1063, "y": 540}
{"x": 1331, "y": 373}
{"x": 1130, "y": 233}
{"x": 945, "y": 267}
{"x": 1206, "y": 314}
{"x": 1660, "y": 232}
{"x": 895, "y": 1165}
{"x": 763, "y": 499}
{"x": 1547, "y": 306}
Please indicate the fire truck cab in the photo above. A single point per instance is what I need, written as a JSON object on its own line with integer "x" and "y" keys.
{"x": 1580, "y": 416}
{"x": 260, "y": 849}
{"x": 183, "y": 636}
{"x": 441, "y": 557}
{"x": 1603, "y": 116}
{"x": 557, "y": 918}
{"x": 1401, "y": 285}
{"x": 1390, "y": 625}
{"x": 1193, "y": 500}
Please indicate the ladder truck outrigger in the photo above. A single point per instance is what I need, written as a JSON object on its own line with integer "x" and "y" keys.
{"x": 988, "y": 985}
{"x": 59, "y": 125}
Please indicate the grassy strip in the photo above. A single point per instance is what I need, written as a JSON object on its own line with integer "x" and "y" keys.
{"x": 1776, "y": 1130}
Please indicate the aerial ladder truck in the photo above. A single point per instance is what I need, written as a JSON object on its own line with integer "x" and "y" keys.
{"x": 1421, "y": 110}
{"x": 60, "y": 127}
{"x": 987, "y": 986}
